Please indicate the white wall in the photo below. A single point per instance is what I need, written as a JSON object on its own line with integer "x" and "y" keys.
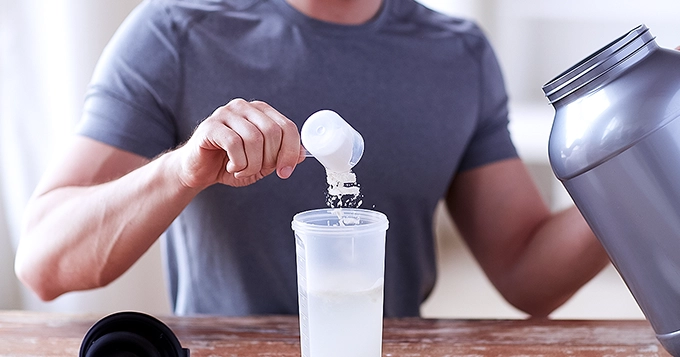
{"x": 9, "y": 290}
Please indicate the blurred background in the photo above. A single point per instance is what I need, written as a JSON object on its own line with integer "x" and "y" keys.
{"x": 48, "y": 50}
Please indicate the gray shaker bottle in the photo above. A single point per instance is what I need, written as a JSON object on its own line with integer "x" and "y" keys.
{"x": 615, "y": 145}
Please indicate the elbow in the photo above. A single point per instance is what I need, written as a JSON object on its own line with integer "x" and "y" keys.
{"x": 33, "y": 279}
{"x": 535, "y": 309}
{"x": 536, "y": 297}
{"x": 31, "y": 265}
{"x": 44, "y": 261}
{"x": 533, "y": 302}
{"x": 35, "y": 274}
{"x": 49, "y": 275}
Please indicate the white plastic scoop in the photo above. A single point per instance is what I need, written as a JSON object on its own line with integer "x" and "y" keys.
{"x": 332, "y": 141}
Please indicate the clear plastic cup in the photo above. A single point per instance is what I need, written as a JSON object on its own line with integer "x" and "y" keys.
{"x": 340, "y": 267}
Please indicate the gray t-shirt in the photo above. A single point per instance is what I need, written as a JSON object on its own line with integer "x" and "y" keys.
{"x": 423, "y": 89}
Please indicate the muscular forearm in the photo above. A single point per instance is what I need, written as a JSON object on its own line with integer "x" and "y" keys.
{"x": 101, "y": 208}
{"x": 80, "y": 237}
{"x": 560, "y": 258}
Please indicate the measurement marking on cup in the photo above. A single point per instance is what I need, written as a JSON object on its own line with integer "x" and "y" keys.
{"x": 353, "y": 249}
{"x": 302, "y": 294}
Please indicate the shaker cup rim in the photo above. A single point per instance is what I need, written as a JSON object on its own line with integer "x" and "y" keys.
{"x": 342, "y": 221}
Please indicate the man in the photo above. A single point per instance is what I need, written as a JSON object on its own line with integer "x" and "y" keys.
{"x": 424, "y": 90}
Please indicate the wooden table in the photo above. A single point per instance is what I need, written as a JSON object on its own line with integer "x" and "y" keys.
{"x": 41, "y": 334}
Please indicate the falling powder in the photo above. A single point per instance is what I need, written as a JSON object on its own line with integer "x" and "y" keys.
{"x": 343, "y": 190}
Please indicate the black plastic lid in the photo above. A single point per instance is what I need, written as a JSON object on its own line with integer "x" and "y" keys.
{"x": 597, "y": 64}
{"x": 131, "y": 334}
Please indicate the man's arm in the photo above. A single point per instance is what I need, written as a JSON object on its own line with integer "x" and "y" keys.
{"x": 98, "y": 210}
{"x": 536, "y": 260}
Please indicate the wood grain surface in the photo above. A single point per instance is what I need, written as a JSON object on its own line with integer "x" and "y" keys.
{"x": 48, "y": 334}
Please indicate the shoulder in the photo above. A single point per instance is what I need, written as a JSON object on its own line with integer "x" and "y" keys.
{"x": 183, "y": 13}
{"x": 197, "y": 7}
{"x": 430, "y": 24}
{"x": 171, "y": 20}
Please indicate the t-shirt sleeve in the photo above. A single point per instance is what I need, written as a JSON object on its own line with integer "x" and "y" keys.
{"x": 129, "y": 102}
{"x": 491, "y": 140}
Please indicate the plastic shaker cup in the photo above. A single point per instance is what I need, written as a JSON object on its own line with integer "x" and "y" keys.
{"x": 340, "y": 267}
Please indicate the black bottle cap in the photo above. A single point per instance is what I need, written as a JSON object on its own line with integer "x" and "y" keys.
{"x": 131, "y": 334}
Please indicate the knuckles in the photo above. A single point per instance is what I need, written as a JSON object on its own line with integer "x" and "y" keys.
{"x": 237, "y": 105}
{"x": 232, "y": 141}
{"x": 289, "y": 127}
{"x": 271, "y": 130}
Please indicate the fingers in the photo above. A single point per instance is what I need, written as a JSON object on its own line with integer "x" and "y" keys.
{"x": 287, "y": 151}
{"x": 243, "y": 141}
{"x": 257, "y": 139}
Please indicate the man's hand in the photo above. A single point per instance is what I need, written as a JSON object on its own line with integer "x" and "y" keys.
{"x": 240, "y": 143}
